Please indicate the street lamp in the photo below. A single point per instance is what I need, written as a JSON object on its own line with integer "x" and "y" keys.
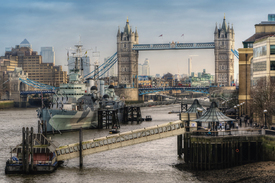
{"x": 235, "y": 107}
{"x": 265, "y": 111}
{"x": 241, "y": 104}
{"x": 238, "y": 110}
{"x": 239, "y": 114}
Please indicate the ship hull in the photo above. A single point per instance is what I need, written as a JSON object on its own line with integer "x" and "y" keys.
{"x": 62, "y": 120}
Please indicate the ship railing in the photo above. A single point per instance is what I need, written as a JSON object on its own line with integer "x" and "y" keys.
{"x": 117, "y": 139}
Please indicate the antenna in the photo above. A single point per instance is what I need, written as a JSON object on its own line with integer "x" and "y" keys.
{"x": 96, "y": 55}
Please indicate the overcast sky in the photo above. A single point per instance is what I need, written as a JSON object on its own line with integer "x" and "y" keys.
{"x": 59, "y": 24}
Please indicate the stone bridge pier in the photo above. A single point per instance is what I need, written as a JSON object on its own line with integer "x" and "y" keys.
{"x": 16, "y": 86}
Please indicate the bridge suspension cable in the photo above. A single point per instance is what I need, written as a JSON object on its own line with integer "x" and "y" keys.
{"x": 235, "y": 52}
{"x": 102, "y": 67}
{"x": 37, "y": 85}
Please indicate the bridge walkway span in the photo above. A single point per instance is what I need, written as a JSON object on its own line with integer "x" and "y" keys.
{"x": 121, "y": 140}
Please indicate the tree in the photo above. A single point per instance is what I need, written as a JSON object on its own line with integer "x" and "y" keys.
{"x": 263, "y": 98}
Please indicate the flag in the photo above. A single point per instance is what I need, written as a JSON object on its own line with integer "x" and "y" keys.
{"x": 86, "y": 53}
{"x": 68, "y": 55}
{"x": 182, "y": 35}
{"x": 160, "y": 35}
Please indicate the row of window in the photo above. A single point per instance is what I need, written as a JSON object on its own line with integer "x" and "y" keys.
{"x": 259, "y": 51}
{"x": 261, "y": 66}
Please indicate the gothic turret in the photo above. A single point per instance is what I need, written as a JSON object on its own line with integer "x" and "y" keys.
{"x": 127, "y": 28}
{"x": 136, "y": 36}
{"x": 224, "y": 26}
{"x": 216, "y": 29}
{"x": 118, "y": 32}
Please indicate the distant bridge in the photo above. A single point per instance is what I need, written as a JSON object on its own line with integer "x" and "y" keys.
{"x": 36, "y": 92}
{"x": 121, "y": 140}
{"x": 143, "y": 91}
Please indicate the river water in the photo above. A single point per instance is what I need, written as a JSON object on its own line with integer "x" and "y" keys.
{"x": 147, "y": 162}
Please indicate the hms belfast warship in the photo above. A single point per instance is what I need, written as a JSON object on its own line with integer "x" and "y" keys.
{"x": 73, "y": 106}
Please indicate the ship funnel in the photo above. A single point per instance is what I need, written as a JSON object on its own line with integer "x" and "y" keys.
{"x": 101, "y": 88}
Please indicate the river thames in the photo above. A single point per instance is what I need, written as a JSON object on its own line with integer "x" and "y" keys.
{"x": 147, "y": 162}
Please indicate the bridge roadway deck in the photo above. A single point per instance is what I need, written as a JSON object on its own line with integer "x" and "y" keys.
{"x": 121, "y": 140}
{"x": 185, "y": 101}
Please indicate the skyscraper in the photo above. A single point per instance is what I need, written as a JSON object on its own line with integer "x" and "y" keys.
{"x": 189, "y": 66}
{"x": 48, "y": 55}
{"x": 25, "y": 43}
{"x": 146, "y": 68}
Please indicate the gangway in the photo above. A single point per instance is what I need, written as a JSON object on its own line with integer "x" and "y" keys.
{"x": 121, "y": 140}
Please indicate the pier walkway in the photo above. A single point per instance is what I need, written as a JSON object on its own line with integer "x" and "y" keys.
{"x": 121, "y": 140}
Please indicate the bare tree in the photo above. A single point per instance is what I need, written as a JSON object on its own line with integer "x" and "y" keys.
{"x": 263, "y": 98}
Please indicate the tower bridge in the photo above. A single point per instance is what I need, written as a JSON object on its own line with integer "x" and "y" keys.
{"x": 128, "y": 48}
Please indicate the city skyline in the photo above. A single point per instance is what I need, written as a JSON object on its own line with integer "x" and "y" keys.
{"x": 58, "y": 24}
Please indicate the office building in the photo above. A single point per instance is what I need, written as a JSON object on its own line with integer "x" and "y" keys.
{"x": 256, "y": 59}
{"x": 146, "y": 68}
{"x": 48, "y": 55}
{"x": 31, "y": 63}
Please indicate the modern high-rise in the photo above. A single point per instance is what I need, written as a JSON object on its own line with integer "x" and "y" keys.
{"x": 146, "y": 68}
{"x": 189, "y": 66}
{"x": 48, "y": 55}
{"x": 224, "y": 38}
{"x": 25, "y": 43}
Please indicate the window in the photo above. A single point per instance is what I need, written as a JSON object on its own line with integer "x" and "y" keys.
{"x": 272, "y": 65}
{"x": 272, "y": 49}
{"x": 249, "y": 45}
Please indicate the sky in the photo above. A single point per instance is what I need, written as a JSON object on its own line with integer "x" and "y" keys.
{"x": 61, "y": 24}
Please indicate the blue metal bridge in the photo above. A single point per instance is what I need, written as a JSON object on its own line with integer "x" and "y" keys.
{"x": 143, "y": 91}
{"x": 168, "y": 46}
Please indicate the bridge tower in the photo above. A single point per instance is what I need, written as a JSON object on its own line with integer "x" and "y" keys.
{"x": 224, "y": 38}
{"x": 127, "y": 58}
{"x": 16, "y": 86}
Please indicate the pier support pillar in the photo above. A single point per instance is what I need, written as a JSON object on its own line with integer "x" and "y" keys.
{"x": 23, "y": 149}
{"x": 31, "y": 149}
{"x": 179, "y": 146}
{"x": 27, "y": 150}
{"x": 80, "y": 148}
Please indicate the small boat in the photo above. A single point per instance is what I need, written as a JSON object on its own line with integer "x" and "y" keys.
{"x": 148, "y": 118}
{"x": 114, "y": 131}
